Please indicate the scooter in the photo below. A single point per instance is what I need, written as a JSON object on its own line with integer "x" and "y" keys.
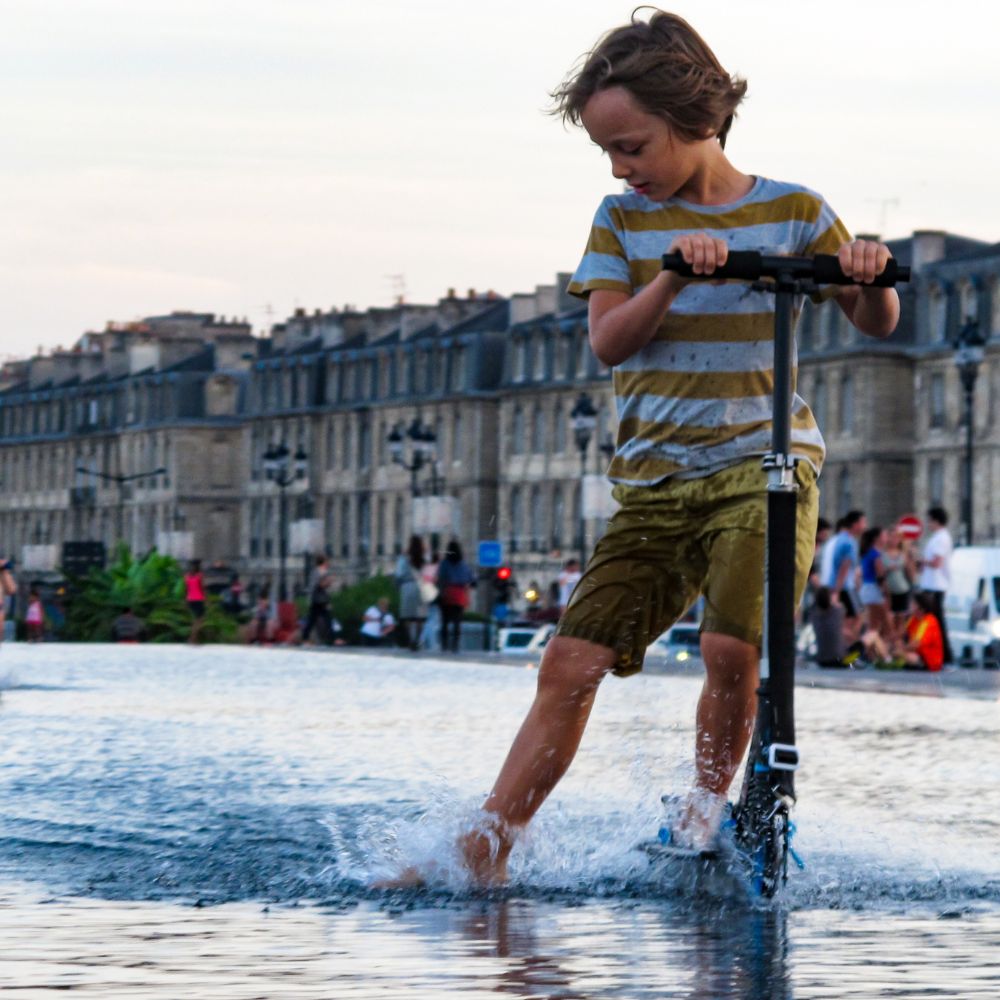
{"x": 760, "y": 820}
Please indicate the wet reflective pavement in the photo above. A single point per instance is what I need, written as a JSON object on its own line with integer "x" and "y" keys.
{"x": 205, "y": 823}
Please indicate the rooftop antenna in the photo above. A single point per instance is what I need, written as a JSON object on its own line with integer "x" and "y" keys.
{"x": 884, "y": 205}
{"x": 398, "y": 282}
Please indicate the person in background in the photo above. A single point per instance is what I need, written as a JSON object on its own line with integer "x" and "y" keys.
{"x": 935, "y": 571}
{"x": 128, "y": 627}
{"x": 872, "y": 594}
{"x": 412, "y": 607}
{"x": 900, "y": 572}
{"x": 319, "y": 602}
{"x": 430, "y": 635}
{"x": 261, "y": 617}
{"x": 194, "y": 592}
{"x": 923, "y": 648}
{"x": 34, "y": 617}
{"x": 8, "y": 588}
{"x": 568, "y": 579}
{"x": 454, "y": 580}
{"x": 842, "y": 575}
{"x": 827, "y": 620}
{"x": 378, "y": 623}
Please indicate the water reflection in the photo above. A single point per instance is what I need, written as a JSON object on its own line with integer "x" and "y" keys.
{"x": 526, "y": 948}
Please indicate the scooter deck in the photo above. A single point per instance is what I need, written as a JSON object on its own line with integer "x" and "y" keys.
{"x": 673, "y": 852}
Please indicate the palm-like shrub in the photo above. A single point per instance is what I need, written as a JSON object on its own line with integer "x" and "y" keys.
{"x": 153, "y": 587}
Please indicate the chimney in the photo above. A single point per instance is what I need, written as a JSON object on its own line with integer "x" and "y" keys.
{"x": 928, "y": 247}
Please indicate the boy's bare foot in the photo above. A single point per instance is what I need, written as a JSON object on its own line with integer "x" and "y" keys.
{"x": 698, "y": 824}
{"x": 485, "y": 853}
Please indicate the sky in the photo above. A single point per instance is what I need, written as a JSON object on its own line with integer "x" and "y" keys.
{"x": 248, "y": 158}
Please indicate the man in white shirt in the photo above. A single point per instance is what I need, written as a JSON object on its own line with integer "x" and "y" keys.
{"x": 935, "y": 572}
{"x": 378, "y": 623}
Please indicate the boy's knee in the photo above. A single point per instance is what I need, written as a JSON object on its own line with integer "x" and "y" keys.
{"x": 570, "y": 664}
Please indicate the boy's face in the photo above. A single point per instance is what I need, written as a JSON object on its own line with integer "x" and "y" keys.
{"x": 643, "y": 149}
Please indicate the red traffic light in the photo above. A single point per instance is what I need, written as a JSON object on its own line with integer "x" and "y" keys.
{"x": 503, "y": 573}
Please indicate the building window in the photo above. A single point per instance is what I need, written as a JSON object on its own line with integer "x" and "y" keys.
{"x": 364, "y": 443}
{"x": 846, "y": 403}
{"x": 538, "y": 430}
{"x": 935, "y": 409}
{"x": 558, "y": 516}
{"x": 819, "y": 401}
{"x": 537, "y": 520}
{"x": 517, "y": 431}
{"x": 456, "y": 438}
{"x": 558, "y": 430}
{"x": 935, "y": 481}
{"x": 400, "y": 526}
{"x": 345, "y": 527}
{"x": 516, "y": 514}
{"x": 520, "y": 360}
{"x": 583, "y": 357}
{"x": 938, "y": 314}
{"x": 538, "y": 372}
{"x": 969, "y": 301}
{"x": 844, "y": 490}
{"x": 456, "y": 381}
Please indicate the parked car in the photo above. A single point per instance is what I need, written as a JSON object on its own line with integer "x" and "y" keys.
{"x": 972, "y": 605}
{"x": 524, "y": 639}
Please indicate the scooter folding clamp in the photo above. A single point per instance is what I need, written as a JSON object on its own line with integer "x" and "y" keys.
{"x": 782, "y": 757}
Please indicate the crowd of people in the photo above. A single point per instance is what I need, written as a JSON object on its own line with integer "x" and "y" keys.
{"x": 876, "y": 596}
{"x": 432, "y": 591}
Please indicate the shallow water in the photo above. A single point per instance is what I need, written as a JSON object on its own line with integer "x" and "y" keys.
{"x": 178, "y": 822}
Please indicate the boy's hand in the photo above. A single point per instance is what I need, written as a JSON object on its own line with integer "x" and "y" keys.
{"x": 703, "y": 252}
{"x": 863, "y": 260}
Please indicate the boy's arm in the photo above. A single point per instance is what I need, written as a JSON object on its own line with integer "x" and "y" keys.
{"x": 621, "y": 324}
{"x": 874, "y": 311}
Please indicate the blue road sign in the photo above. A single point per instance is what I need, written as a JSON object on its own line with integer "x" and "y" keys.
{"x": 490, "y": 554}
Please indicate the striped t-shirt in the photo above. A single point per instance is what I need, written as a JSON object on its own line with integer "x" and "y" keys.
{"x": 697, "y": 398}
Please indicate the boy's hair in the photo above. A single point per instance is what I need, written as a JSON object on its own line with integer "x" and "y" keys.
{"x": 670, "y": 71}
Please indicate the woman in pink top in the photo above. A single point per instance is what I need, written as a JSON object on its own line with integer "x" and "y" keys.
{"x": 194, "y": 587}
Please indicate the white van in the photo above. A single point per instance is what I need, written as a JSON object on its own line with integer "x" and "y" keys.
{"x": 972, "y": 603}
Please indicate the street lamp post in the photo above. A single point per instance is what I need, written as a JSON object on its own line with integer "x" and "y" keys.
{"x": 283, "y": 468}
{"x": 423, "y": 452}
{"x": 968, "y": 357}
{"x": 583, "y": 421}
{"x": 122, "y": 481}
{"x": 423, "y": 449}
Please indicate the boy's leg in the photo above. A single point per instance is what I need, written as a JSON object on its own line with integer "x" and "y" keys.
{"x": 726, "y": 708}
{"x": 542, "y": 751}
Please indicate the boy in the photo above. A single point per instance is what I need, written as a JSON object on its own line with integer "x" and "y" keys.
{"x": 692, "y": 379}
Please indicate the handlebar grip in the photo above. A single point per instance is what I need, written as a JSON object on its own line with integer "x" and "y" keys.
{"x": 827, "y": 272}
{"x": 743, "y": 265}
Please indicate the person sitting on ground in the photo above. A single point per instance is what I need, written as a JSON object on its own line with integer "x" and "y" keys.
{"x": 128, "y": 627}
{"x": 924, "y": 645}
{"x": 378, "y": 623}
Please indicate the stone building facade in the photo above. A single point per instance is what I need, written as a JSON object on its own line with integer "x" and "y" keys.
{"x": 84, "y": 432}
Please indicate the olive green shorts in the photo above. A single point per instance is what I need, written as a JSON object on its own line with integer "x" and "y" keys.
{"x": 671, "y": 542}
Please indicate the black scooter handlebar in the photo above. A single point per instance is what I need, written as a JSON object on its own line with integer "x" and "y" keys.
{"x": 749, "y": 265}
